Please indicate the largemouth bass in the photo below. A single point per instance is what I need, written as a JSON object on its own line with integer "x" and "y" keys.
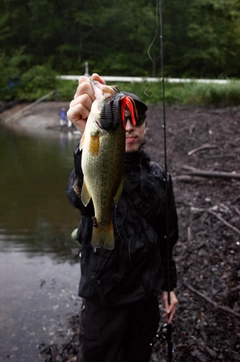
{"x": 103, "y": 148}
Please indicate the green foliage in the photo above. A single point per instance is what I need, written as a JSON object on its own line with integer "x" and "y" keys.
{"x": 212, "y": 94}
{"x": 66, "y": 89}
{"x": 115, "y": 37}
{"x": 213, "y": 38}
{"x": 189, "y": 93}
{"x": 37, "y": 82}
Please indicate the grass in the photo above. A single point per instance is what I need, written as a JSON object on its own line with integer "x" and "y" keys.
{"x": 193, "y": 93}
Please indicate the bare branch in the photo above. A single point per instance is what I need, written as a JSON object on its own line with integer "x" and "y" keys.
{"x": 218, "y": 217}
{"x": 195, "y": 172}
{"x": 201, "y": 148}
{"x": 210, "y": 301}
{"x": 188, "y": 178}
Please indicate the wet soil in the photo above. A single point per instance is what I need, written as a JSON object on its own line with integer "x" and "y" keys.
{"x": 207, "y": 323}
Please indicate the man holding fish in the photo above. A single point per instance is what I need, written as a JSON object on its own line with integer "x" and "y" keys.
{"x": 122, "y": 198}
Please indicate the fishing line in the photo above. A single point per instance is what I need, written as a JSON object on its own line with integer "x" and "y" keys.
{"x": 163, "y": 85}
{"x": 151, "y": 45}
{"x": 155, "y": 36}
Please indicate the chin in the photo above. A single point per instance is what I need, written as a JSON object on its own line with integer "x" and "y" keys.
{"x": 131, "y": 149}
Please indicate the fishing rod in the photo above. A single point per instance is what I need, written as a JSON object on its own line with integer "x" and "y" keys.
{"x": 166, "y": 330}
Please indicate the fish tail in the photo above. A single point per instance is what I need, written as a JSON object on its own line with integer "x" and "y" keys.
{"x": 103, "y": 236}
{"x": 129, "y": 102}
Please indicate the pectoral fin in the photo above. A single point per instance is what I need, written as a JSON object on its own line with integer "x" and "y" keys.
{"x": 82, "y": 141}
{"x": 118, "y": 194}
{"x": 94, "y": 144}
{"x": 85, "y": 195}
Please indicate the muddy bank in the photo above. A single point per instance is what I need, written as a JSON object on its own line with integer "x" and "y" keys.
{"x": 28, "y": 117}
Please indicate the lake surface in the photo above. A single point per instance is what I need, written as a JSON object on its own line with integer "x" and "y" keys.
{"x": 39, "y": 274}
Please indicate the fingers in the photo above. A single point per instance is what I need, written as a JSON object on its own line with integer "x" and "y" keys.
{"x": 78, "y": 113}
{"x": 80, "y": 106}
{"x": 170, "y": 309}
{"x": 97, "y": 77}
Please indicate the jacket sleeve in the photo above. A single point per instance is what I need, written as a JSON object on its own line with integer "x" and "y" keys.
{"x": 74, "y": 186}
{"x": 169, "y": 239}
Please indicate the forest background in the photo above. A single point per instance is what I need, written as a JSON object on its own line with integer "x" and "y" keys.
{"x": 40, "y": 39}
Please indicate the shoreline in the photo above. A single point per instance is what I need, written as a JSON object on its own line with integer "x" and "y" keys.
{"x": 42, "y": 116}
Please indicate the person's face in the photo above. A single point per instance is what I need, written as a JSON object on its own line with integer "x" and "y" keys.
{"x": 134, "y": 135}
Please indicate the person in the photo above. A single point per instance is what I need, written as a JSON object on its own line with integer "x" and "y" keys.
{"x": 120, "y": 313}
{"x": 63, "y": 117}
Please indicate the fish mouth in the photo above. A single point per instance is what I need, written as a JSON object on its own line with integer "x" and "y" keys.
{"x": 98, "y": 124}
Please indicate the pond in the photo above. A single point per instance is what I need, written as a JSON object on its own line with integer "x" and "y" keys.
{"x": 39, "y": 273}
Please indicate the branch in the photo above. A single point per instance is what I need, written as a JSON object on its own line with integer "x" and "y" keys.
{"x": 236, "y": 209}
{"x": 188, "y": 178}
{"x": 201, "y": 148}
{"x": 195, "y": 172}
{"x": 210, "y": 301}
{"x": 19, "y": 113}
{"x": 218, "y": 217}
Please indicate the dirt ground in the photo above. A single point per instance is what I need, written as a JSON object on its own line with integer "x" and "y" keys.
{"x": 207, "y": 322}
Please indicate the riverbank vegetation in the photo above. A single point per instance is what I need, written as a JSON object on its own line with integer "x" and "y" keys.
{"x": 193, "y": 93}
{"x": 42, "y": 39}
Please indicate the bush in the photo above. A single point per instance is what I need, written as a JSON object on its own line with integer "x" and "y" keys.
{"x": 66, "y": 89}
{"x": 212, "y": 94}
{"x": 37, "y": 82}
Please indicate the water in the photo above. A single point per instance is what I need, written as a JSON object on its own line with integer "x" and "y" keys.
{"x": 38, "y": 273}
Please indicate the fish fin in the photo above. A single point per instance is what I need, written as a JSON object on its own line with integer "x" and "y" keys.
{"x": 118, "y": 194}
{"x": 85, "y": 195}
{"x": 94, "y": 145}
{"x": 82, "y": 141}
{"x": 103, "y": 236}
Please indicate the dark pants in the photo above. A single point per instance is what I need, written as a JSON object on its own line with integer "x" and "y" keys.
{"x": 119, "y": 334}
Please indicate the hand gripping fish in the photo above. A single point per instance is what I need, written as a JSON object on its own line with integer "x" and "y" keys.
{"x": 103, "y": 148}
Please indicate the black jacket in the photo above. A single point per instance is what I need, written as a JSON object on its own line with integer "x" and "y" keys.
{"x": 136, "y": 268}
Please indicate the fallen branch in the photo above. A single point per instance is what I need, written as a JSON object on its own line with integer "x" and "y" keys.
{"x": 218, "y": 217}
{"x": 202, "y": 173}
{"x": 210, "y": 301}
{"x": 186, "y": 178}
{"x": 236, "y": 209}
{"x": 201, "y": 148}
{"x": 20, "y": 113}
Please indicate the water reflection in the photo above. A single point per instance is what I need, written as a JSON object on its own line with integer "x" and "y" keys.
{"x": 38, "y": 272}
{"x": 34, "y": 208}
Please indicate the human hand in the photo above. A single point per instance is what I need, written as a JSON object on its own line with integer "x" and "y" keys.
{"x": 80, "y": 106}
{"x": 170, "y": 309}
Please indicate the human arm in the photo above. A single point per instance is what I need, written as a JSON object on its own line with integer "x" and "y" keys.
{"x": 80, "y": 106}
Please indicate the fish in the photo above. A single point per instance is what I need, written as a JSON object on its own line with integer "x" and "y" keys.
{"x": 103, "y": 148}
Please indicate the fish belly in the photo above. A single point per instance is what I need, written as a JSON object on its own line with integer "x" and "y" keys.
{"x": 102, "y": 167}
